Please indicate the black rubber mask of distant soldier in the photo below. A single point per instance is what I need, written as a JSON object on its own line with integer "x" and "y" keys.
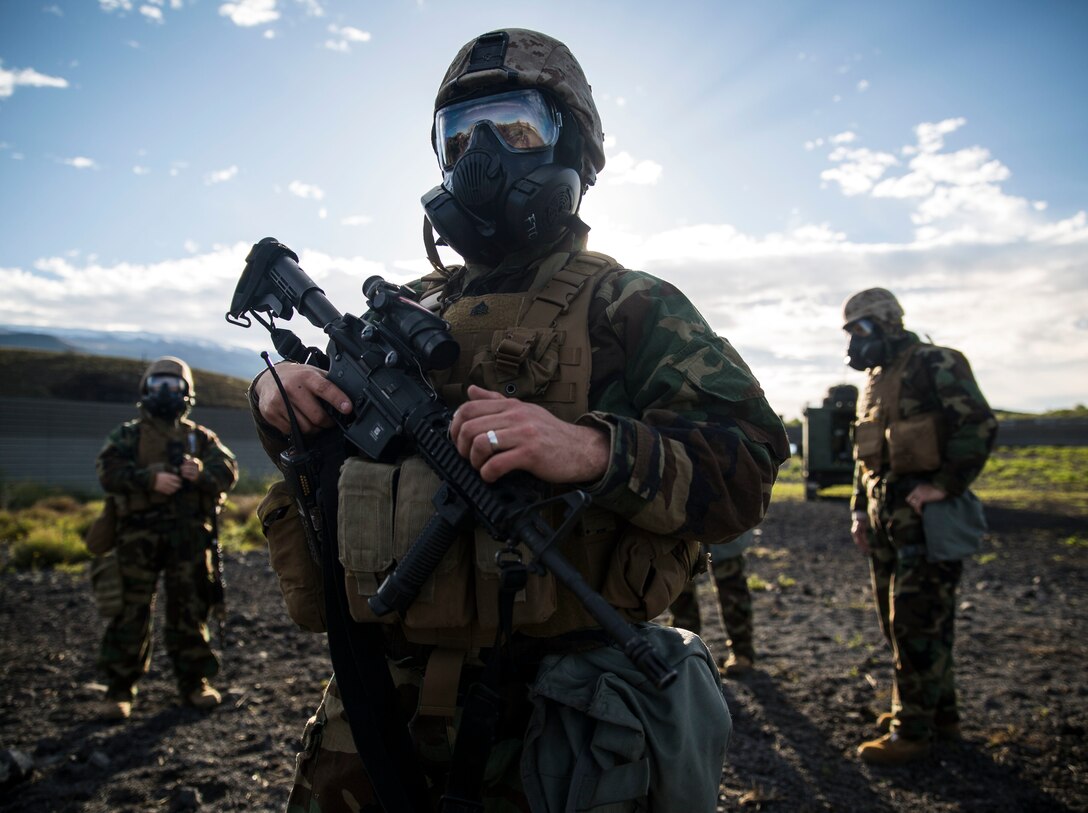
{"x": 165, "y": 396}
{"x": 868, "y": 345}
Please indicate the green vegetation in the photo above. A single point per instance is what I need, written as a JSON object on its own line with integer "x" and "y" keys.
{"x": 79, "y": 377}
{"x": 1080, "y": 411}
{"x": 49, "y": 533}
{"x": 1045, "y": 478}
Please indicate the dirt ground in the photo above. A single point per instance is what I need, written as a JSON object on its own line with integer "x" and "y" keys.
{"x": 823, "y": 675}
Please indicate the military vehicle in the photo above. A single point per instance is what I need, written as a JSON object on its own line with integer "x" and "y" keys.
{"x": 827, "y": 441}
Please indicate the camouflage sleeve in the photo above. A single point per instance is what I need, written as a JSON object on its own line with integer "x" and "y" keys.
{"x": 273, "y": 441}
{"x": 116, "y": 463}
{"x": 220, "y": 465}
{"x": 969, "y": 421}
{"x": 859, "y": 500}
{"x": 695, "y": 447}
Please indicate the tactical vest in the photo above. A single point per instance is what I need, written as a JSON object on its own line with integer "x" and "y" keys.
{"x": 886, "y": 441}
{"x": 534, "y": 346}
{"x": 155, "y": 447}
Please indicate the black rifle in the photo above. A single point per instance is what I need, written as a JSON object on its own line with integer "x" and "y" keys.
{"x": 380, "y": 361}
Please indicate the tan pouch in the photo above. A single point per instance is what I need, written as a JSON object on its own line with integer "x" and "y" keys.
{"x": 520, "y": 361}
{"x": 382, "y": 510}
{"x": 445, "y": 600}
{"x": 533, "y": 605}
{"x": 914, "y": 444}
{"x": 105, "y": 573}
{"x": 102, "y": 535}
{"x": 365, "y": 530}
{"x": 869, "y": 440}
{"x": 299, "y": 575}
{"x": 648, "y": 572}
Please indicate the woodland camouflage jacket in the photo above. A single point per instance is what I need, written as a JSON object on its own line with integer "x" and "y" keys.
{"x": 939, "y": 379}
{"x": 121, "y": 472}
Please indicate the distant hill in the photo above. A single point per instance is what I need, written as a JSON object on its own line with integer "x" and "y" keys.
{"x": 200, "y": 354}
{"x": 81, "y": 377}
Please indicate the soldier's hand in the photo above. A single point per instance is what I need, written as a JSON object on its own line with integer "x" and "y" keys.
{"x": 923, "y": 493}
{"x": 528, "y": 438}
{"x": 308, "y": 389}
{"x": 859, "y": 531}
{"x": 166, "y": 482}
{"x": 190, "y": 468}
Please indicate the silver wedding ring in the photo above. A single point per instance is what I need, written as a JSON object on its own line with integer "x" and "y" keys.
{"x": 493, "y": 439}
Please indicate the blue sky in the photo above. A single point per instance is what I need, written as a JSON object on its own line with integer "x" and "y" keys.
{"x": 770, "y": 158}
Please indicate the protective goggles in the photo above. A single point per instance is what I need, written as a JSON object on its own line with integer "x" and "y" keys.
{"x": 863, "y": 328}
{"x": 173, "y": 383}
{"x": 523, "y": 119}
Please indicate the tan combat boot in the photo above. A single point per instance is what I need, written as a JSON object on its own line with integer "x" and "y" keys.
{"x": 891, "y": 749}
{"x": 735, "y": 666}
{"x": 945, "y": 731}
{"x": 203, "y": 697}
{"x": 114, "y": 710}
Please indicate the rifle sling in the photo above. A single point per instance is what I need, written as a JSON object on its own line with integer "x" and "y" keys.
{"x": 370, "y": 699}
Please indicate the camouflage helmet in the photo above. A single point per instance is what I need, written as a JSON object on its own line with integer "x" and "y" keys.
{"x": 878, "y": 304}
{"x": 170, "y": 365}
{"x": 515, "y": 57}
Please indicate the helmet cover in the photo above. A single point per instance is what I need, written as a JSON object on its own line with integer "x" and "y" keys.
{"x": 516, "y": 57}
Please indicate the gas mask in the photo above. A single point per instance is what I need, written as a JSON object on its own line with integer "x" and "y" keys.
{"x": 868, "y": 347}
{"x": 503, "y": 189}
{"x": 166, "y": 396}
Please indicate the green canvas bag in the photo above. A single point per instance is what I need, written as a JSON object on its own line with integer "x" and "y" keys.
{"x": 953, "y": 527}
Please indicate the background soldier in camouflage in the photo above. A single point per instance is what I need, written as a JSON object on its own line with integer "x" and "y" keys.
{"x": 168, "y": 476}
{"x": 669, "y": 431}
{"x": 734, "y": 599}
{"x": 931, "y": 390}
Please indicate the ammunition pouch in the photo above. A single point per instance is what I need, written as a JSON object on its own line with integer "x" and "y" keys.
{"x": 869, "y": 442}
{"x": 914, "y": 443}
{"x": 102, "y": 535}
{"x": 107, "y": 585}
{"x": 289, "y": 554}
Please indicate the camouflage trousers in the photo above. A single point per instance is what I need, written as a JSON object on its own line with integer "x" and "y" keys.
{"x": 735, "y": 602}
{"x": 330, "y": 776}
{"x": 183, "y": 559}
{"x": 916, "y": 605}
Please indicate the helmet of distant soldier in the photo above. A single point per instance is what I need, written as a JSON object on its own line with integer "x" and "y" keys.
{"x": 167, "y": 389}
{"x": 878, "y": 304}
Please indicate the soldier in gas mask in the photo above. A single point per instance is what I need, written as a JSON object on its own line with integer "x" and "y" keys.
{"x": 581, "y": 373}
{"x": 923, "y": 433}
{"x": 167, "y": 477}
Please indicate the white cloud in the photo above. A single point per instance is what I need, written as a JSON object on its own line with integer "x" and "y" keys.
{"x": 846, "y": 137}
{"x": 305, "y": 191}
{"x": 115, "y": 5}
{"x": 863, "y": 85}
{"x": 813, "y": 144}
{"x": 80, "y": 162}
{"x": 26, "y": 77}
{"x": 858, "y": 168}
{"x": 220, "y": 175}
{"x": 140, "y": 170}
{"x": 312, "y": 7}
{"x": 54, "y": 10}
{"x": 624, "y": 169}
{"x": 152, "y": 13}
{"x": 356, "y": 220}
{"x": 248, "y": 13}
{"x": 344, "y": 36}
{"x": 191, "y": 246}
